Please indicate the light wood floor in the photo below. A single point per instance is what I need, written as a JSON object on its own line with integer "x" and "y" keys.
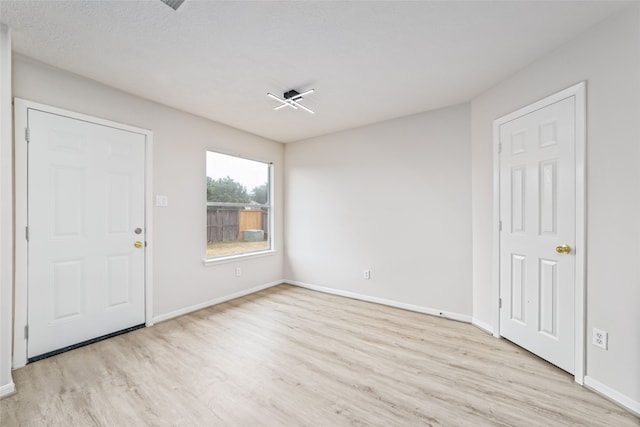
{"x": 292, "y": 357}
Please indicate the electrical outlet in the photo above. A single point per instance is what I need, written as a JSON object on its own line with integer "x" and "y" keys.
{"x": 366, "y": 275}
{"x": 600, "y": 338}
{"x": 238, "y": 272}
{"x": 162, "y": 201}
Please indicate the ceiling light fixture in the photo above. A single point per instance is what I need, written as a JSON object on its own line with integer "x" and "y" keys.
{"x": 291, "y": 99}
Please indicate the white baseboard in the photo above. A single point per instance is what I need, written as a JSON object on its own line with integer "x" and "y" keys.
{"x": 612, "y": 394}
{"x": 482, "y": 325}
{"x": 205, "y": 304}
{"x": 391, "y": 303}
{"x": 7, "y": 390}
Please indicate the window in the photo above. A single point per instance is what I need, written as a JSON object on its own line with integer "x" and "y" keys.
{"x": 238, "y": 205}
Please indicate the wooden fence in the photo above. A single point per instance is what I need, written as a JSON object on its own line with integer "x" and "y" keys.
{"x": 228, "y": 224}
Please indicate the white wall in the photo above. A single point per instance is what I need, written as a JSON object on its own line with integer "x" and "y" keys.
{"x": 608, "y": 57}
{"x": 180, "y": 142}
{"x": 393, "y": 197}
{"x": 6, "y": 214}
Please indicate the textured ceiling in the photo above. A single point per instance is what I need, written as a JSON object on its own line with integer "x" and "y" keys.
{"x": 368, "y": 61}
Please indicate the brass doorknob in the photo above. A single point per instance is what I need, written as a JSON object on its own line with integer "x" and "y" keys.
{"x": 138, "y": 244}
{"x": 563, "y": 249}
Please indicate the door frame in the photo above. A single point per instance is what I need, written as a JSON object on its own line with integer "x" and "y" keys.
{"x": 578, "y": 91}
{"x": 20, "y": 320}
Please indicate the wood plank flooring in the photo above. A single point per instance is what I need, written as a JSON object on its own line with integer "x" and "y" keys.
{"x": 288, "y": 356}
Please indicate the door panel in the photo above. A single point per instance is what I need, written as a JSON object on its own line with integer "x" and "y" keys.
{"x": 537, "y": 208}
{"x": 518, "y": 195}
{"x": 518, "y": 287}
{"x": 117, "y": 281}
{"x": 548, "y": 198}
{"x": 548, "y": 307}
{"x": 85, "y": 199}
{"x": 67, "y": 199}
{"x": 66, "y": 284}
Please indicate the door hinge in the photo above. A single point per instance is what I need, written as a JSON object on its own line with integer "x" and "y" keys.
{"x": 499, "y": 302}
{"x": 26, "y": 233}
{"x": 26, "y": 331}
{"x": 499, "y": 147}
{"x": 499, "y": 225}
{"x": 27, "y": 134}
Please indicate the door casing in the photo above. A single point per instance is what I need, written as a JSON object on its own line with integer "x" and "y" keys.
{"x": 21, "y": 108}
{"x": 579, "y": 92}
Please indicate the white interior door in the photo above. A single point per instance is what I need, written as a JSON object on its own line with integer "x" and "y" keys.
{"x": 537, "y": 213}
{"x": 86, "y": 212}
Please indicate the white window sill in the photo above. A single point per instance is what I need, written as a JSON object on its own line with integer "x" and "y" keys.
{"x": 209, "y": 262}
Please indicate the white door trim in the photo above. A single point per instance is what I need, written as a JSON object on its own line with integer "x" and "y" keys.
{"x": 21, "y": 108}
{"x": 579, "y": 92}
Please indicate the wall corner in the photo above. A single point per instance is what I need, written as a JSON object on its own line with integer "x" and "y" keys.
{"x": 6, "y": 214}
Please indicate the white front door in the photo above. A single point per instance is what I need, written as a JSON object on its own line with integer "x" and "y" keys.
{"x": 86, "y": 212}
{"x": 537, "y": 213}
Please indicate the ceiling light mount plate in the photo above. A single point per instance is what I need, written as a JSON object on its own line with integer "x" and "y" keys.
{"x": 292, "y": 94}
{"x": 173, "y": 4}
{"x": 291, "y": 99}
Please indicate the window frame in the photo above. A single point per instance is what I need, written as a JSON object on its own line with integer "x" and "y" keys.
{"x": 269, "y": 206}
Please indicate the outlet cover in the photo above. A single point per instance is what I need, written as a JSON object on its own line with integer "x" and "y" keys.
{"x": 366, "y": 275}
{"x": 600, "y": 338}
{"x": 162, "y": 201}
{"x": 238, "y": 272}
